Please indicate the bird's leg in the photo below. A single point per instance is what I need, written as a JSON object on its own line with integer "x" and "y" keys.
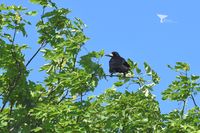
{"x": 124, "y": 74}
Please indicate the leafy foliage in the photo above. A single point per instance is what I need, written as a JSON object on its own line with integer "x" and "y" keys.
{"x": 61, "y": 103}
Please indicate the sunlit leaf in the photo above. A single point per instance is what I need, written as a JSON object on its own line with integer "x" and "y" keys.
{"x": 31, "y": 13}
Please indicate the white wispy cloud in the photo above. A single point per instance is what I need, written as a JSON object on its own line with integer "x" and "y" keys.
{"x": 164, "y": 18}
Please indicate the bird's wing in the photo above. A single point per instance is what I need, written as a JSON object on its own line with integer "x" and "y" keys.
{"x": 125, "y": 63}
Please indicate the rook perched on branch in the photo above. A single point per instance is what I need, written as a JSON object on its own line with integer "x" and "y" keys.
{"x": 117, "y": 64}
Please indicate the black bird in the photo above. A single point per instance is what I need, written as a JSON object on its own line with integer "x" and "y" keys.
{"x": 117, "y": 64}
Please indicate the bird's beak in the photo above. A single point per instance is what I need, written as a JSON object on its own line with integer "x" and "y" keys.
{"x": 109, "y": 55}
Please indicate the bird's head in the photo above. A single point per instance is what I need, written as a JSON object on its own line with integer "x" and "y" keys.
{"x": 113, "y": 54}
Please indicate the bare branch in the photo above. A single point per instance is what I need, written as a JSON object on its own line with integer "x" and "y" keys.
{"x": 183, "y": 109}
{"x": 43, "y": 45}
{"x": 194, "y": 100}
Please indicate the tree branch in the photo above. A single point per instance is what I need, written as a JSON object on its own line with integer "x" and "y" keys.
{"x": 106, "y": 75}
{"x": 12, "y": 85}
{"x": 63, "y": 97}
{"x": 183, "y": 109}
{"x": 194, "y": 100}
{"x": 43, "y": 45}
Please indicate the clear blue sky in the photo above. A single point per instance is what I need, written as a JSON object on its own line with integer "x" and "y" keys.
{"x": 134, "y": 30}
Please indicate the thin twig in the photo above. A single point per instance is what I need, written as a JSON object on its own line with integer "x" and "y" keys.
{"x": 183, "y": 109}
{"x": 11, "y": 108}
{"x": 2, "y": 108}
{"x": 75, "y": 58}
{"x": 63, "y": 97}
{"x": 106, "y": 75}
{"x": 43, "y": 45}
{"x": 83, "y": 94}
{"x": 194, "y": 100}
{"x": 81, "y": 97}
{"x": 184, "y": 101}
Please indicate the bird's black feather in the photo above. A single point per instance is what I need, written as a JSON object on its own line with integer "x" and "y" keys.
{"x": 118, "y": 64}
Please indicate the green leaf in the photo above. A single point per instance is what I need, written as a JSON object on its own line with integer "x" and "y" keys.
{"x": 8, "y": 36}
{"x": 155, "y": 77}
{"x": 138, "y": 70}
{"x": 31, "y": 13}
{"x": 182, "y": 66}
{"x": 37, "y": 129}
{"x": 42, "y": 2}
{"x": 24, "y": 46}
{"x": 147, "y": 68}
{"x": 3, "y": 7}
{"x": 119, "y": 83}
{"x": 170, "y": 67}
{"x": 194, "y": 77}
